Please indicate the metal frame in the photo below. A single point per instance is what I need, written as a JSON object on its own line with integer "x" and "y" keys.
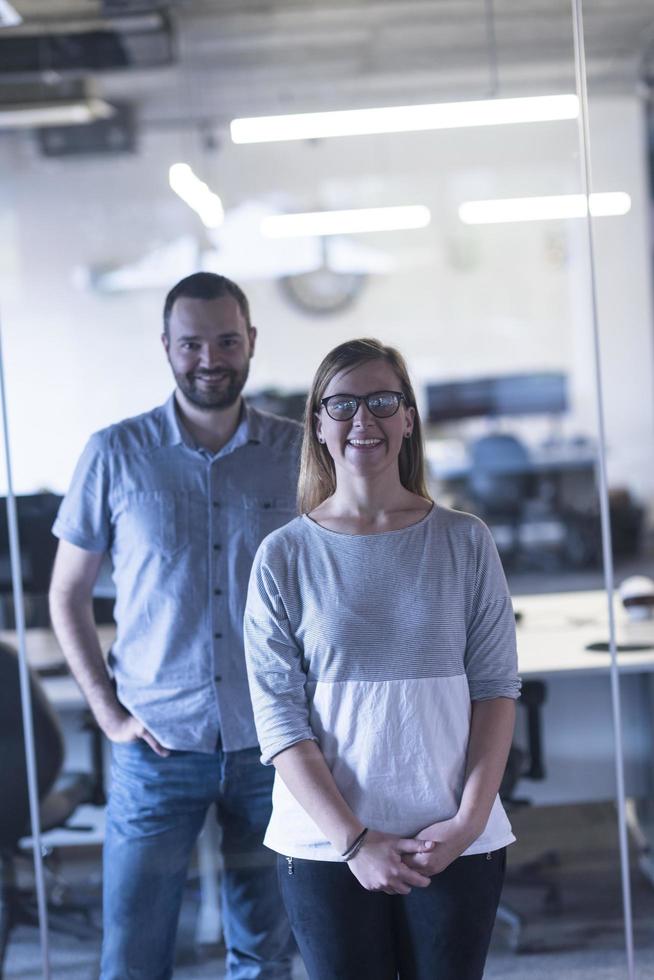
{"x": 25, "y": 694}
{"x": 587, "y": 186}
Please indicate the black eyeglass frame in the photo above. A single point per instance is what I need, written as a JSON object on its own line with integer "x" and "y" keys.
{"x": 401, "y": 397}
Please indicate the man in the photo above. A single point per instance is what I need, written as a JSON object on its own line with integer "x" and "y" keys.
{"x": 180, "y": 497}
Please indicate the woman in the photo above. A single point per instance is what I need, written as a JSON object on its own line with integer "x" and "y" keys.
{"x": 381, "y": 656}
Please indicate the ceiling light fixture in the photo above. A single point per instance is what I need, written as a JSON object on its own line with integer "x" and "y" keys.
{"x": 549, "y": 208}
{"x": 9, "y": 16}
{"x": 403, "y": 119}
{"x": 198, "y": 195}
{"x": 58, "y": 112}
{"x": 345, "y": 222}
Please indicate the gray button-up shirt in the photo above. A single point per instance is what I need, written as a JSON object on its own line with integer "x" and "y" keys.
{"x": 182, "y": 527}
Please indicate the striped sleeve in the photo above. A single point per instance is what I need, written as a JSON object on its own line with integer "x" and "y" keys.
{"x": 274, "y": 665}
{"x": 491, "y": 659}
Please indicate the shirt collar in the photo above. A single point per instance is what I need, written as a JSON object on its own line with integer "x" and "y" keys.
{"x": 240, "y": 437}
{"x": 254, "y": 423}
{"x": 174, "y": 432}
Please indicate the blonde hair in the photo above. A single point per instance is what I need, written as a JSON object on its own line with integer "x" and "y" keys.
{"x": 317, "y": 479}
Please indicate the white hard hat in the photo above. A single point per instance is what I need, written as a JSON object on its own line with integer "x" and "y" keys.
{"x": 637, "y": 593}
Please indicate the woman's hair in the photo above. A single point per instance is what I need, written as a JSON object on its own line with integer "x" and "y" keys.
{"x": 317, "y": 474}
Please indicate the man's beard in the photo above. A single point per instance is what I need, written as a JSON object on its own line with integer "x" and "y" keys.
{"x": 223, "y": 395}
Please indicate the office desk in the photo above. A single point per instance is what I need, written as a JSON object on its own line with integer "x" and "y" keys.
{"x": 43, "y": 650}
{"x": 577, "y": 719}
{"x": 44, "y": 655}
{"x": 563, "y": 476}
{"x": 555, "y": 629}
{"x": 557, "y": 520}
{"x": 455, "y": 464}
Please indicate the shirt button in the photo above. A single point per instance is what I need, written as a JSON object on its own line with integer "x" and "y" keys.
{"x": 217, "y": 591}
{"x": 216, "y": 503}
{"x": 217, "y": 547}
{"x": 217, "y": 636}
{"x": 218, "y": 677}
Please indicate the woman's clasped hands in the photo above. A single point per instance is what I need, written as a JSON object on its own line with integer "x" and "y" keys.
{"x": 449, "y": 839}
{"x": 380, "y": 865}
{"x": 395, "y": 865}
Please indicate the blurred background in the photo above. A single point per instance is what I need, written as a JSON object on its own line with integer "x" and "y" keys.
{"x": 133, "y": 152}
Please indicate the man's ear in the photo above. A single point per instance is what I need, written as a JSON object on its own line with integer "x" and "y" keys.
{"x": 165, "y": 340}
{"x": 252, "y": 335}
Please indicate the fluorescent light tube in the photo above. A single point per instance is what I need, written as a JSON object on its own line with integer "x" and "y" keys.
{"x": 403, "y": 119}
{"x": 9, "y": 16}
{"x": 55, "y": 113}
{"x": 345, "y": 222}
{"x": 550, "y": 208}
{"x": 196, "y": 194}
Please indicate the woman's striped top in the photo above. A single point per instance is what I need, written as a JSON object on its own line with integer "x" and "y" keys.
{"x": 375, "y": 645}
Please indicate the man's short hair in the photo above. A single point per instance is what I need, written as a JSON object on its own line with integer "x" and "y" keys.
{"x": 205, "y": 285}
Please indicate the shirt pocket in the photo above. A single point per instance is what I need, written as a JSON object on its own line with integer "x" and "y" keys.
{"x": 158, "y": 520}
{"x": 264, "y": 514}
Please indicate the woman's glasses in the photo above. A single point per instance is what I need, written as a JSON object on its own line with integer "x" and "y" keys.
{"x": 381, "y": 404}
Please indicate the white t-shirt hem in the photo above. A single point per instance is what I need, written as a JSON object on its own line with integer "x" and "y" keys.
{"x": 324, "y": 851}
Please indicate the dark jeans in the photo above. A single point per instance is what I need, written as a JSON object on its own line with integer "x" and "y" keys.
{"x": 437, "y": 933}
{"x": 156, "y": 809}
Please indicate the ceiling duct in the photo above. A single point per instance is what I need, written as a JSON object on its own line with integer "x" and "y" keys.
{"x": 138, "y": 41}
{"x": 111, "y": 136}
{"x": 72, "y": 102}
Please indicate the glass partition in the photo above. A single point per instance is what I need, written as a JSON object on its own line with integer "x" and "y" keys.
{"x": 620, "y": 112}
{"x": 484, "y": 288}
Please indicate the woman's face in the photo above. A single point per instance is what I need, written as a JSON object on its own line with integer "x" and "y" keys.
{"x": 365, "y": 445}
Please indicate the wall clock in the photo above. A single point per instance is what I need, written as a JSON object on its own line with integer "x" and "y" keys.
{"x": 323, "y": 291}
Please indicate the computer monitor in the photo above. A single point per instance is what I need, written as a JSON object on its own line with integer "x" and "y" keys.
{"x": 290, "y": 405}
{"x": 36, "y": 513}
{"x": 543, "y": 393}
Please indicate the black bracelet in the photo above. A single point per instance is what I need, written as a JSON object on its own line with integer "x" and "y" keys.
{"x": 355, "y": 846}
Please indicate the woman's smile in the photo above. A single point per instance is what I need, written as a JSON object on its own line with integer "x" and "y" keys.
{"x": 364, "y": 445}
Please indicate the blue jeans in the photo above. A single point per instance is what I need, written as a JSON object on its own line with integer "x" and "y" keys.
{"x": 156, "y": 810}
{"x": 441, "y": 932}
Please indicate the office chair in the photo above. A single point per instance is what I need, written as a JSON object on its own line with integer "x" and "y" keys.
{"x": 498, "y": 483}
{"x": 527, "y": 764}
{"x": 58, "y": 799}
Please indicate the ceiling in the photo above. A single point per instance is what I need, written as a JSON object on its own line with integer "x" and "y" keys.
{"x": 243, "y": 57}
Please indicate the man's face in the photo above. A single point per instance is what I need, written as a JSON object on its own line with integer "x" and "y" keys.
{"x": 209, "y": 347}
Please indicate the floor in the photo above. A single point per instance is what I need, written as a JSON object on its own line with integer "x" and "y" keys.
{"x": 563, "y": 880}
